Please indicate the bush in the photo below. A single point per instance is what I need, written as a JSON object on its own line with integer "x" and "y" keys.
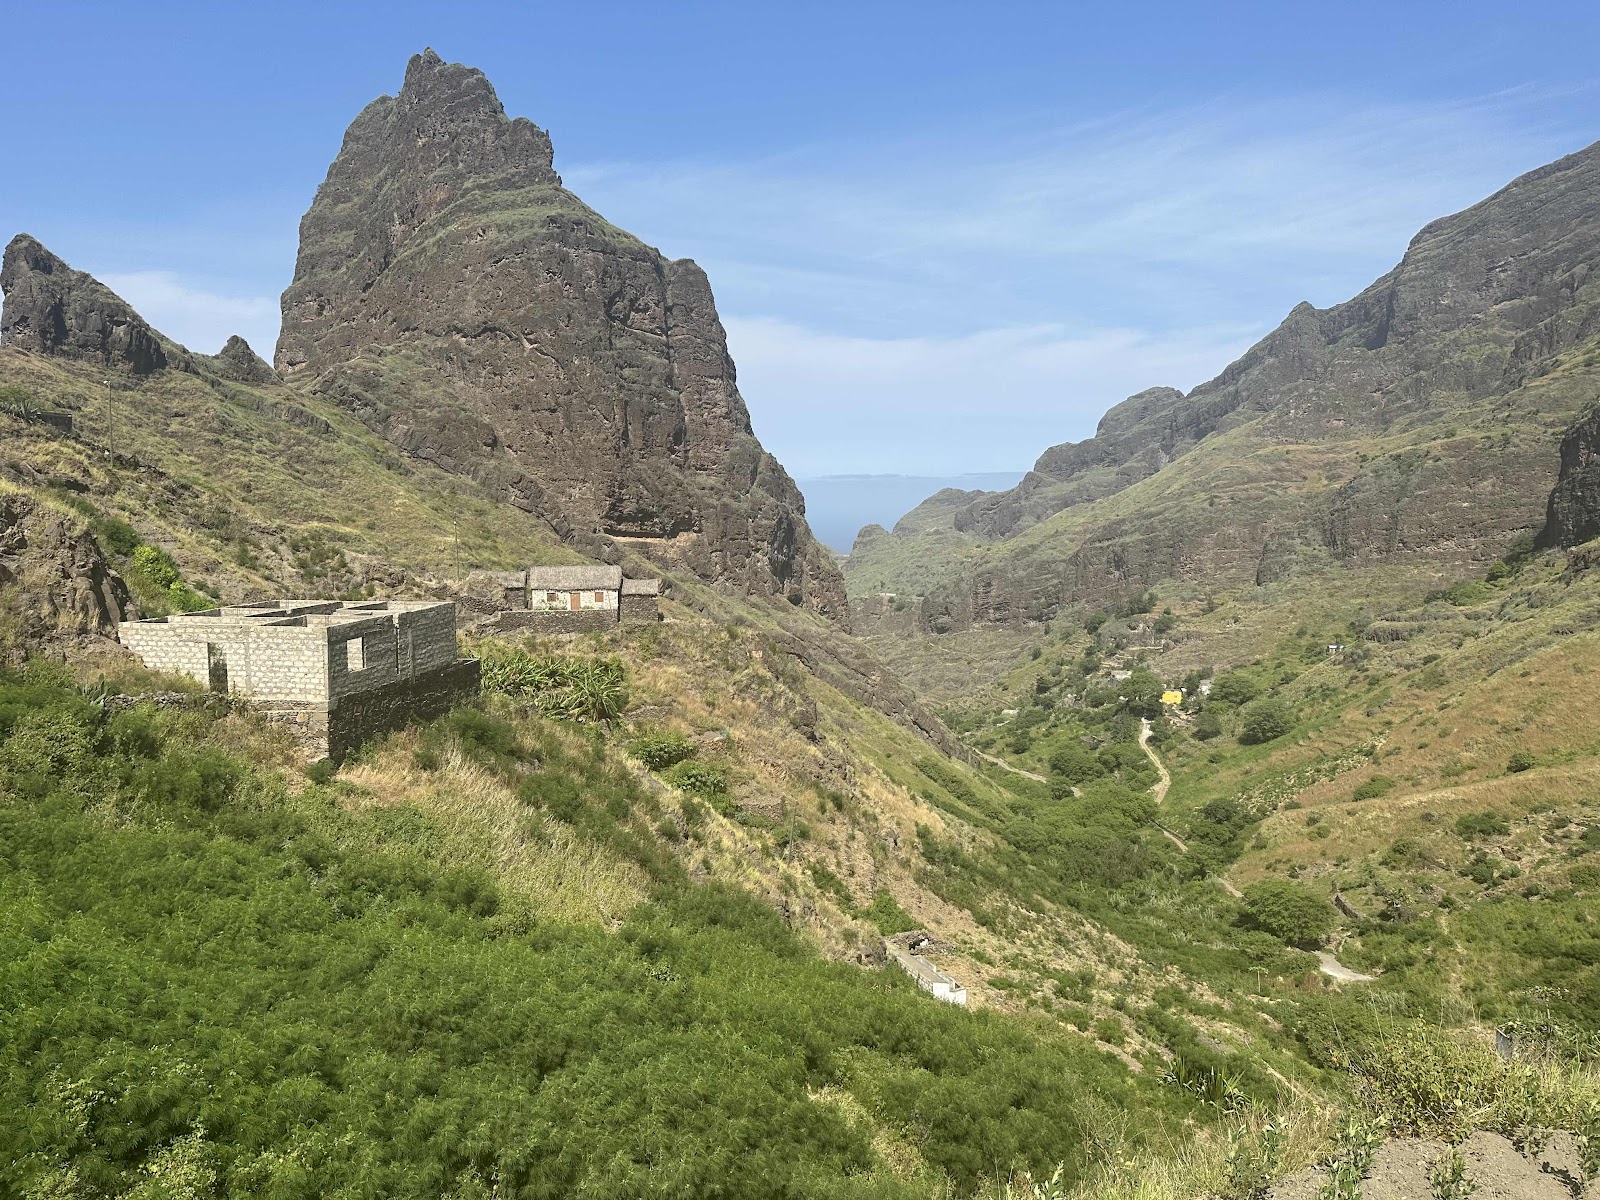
{"x": 1289, "y": 911}
{"x": 1236, "y": 687}
{"x": 706, "y": 780}
{"x": 1521, "y": 761}
{"x": 1378, "y": 785}
{"x": 574, "y": 689}
{"x": 1481, "y": 825}
{"x": 116, "y": 535}
{"x": 1207, "y": 726}
{"x": 658, "y": 751}
{"x": 1265, "y": 720}
{"x": 885, "y": 913}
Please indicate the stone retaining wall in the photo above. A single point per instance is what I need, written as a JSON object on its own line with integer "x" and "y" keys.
{"x": 638, "y": 610}
{"x": 592, "y": 620}
{"x": 365, "y": 715}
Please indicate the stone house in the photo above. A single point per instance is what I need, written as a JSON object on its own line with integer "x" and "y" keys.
{"x": 573, "y": 599}
{"x": 334, "y": 673}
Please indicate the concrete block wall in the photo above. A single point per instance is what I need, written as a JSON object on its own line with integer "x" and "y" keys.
{"x": 369, "y": 714}
{"x": 283, "y": 662}
{"x": 431, "y": 633}
{"x": 380, "y": 657}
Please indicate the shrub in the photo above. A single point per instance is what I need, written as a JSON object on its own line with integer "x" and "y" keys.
{"x": 658, "y": 751}
{"x": 574, "y": 689}
{"x": 1481, "y": 825}
{"x": 1378, "y": 785}
{"x": 1207, "y": 726}
{"x": 1236, "y": 687}
{"x": 1289, "y": 911}
{"x": 116, "y": 535}
{"x": 1522, "y": 760}
{"x": 706, "y": 780}
{"x": 1265, "y": 720}
{"x": 885, "y": 913}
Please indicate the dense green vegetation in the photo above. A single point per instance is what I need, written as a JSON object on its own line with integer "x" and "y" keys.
{"x": 223, "y": 982}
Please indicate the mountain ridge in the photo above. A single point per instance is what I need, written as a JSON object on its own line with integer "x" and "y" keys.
{"x": 1415, "y": 424}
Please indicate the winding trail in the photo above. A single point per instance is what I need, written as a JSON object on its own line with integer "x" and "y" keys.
{"x": 1160, "y": 789}
{"x": 1326, "y": 963}
{"x": 1005, "y": 766}
{"x": 1334, "y": 969}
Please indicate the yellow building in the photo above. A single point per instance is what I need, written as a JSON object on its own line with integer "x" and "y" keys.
{"x": 1171, "y": 697}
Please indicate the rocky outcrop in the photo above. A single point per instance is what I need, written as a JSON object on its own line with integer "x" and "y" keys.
{"x": 55, "y": 585}
{"x": 238, "y": 362}
{"x": 456, "y": 298}
{"x": 1572, "y": 516}
{"x": 52, "y": 309}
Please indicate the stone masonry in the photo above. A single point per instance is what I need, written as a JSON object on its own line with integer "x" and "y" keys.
{"x": 579, "y": 599}
{"x": 334, "y": 673}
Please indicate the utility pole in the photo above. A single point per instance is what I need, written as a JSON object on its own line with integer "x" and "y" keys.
{"x": 455, "y": 530}
{"x": 111, "y": 427}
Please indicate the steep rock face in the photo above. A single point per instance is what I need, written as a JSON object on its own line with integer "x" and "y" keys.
{"x": 1573, "y": 514}
{"x": 52, "y": 309}
{"x": 1416, "y": 422}
{"x": 54, "y": 581}
{"x": 456, "y": 297}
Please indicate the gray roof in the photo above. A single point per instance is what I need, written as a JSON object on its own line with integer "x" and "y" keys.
{"x": 641, "y": 587}
{"x": 597, "y": 578}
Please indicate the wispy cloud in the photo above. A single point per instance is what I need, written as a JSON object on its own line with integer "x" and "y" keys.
{"x": 987, "y": 401}
{"x": 963, "y": 301}
{"x": 194, "y": 315}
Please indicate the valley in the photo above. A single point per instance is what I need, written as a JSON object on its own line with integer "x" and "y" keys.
{"x": 1237, "y": 764}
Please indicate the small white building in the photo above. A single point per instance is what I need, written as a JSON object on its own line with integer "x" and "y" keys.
{"x": 574, "y": 589}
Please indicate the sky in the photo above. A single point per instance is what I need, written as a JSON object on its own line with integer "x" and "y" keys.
{"x": 943, "y": 237}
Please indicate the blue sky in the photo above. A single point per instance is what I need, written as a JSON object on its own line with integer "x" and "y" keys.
{"x": 942, "y": 237}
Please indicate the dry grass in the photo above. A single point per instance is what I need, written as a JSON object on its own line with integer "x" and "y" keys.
{"x": 480, "y": 822}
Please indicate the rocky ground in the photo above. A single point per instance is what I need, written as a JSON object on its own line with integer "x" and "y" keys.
{"x": 1497, "y": 1167}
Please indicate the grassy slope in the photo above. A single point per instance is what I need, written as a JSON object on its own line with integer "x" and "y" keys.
{"x": 253, "y": 486}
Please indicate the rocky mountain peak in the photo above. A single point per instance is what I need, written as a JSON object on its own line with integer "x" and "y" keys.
{"x": 452, "y": 294}
{"x": 237, "y": 361}
{"x": 456, "y": 124}
{"x": 52, "y": 309}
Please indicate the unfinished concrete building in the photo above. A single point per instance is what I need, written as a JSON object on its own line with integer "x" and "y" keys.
{"x": 335, "y": 673}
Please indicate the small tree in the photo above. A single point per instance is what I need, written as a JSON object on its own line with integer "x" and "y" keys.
{"x": 1289, "y": 911}
{"x": 1236, "y": 687}
{"x": 1265, "y": 720}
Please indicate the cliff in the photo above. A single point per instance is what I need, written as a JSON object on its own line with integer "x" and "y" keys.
{"x": 453, "y": 295}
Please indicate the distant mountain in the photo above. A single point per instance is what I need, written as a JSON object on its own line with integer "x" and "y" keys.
{"x": 465, "y": 306}
{"x": 1414, "y": 428}
{"x": 839, "y": 506}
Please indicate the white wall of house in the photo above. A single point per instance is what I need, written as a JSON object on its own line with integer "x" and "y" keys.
{"x": 547, "y": 600}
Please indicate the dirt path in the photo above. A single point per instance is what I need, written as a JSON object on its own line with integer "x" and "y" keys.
{"x": 1160, "y": 788}
{"x": 1334, "y": 969}
{"x": 1005, "y": 766}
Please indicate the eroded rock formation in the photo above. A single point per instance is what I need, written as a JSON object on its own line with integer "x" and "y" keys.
{"x": 52, "y": 309}
{"x": 451, "y": 293}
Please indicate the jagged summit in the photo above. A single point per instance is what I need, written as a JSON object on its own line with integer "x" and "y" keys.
{"x": 460, "y": 301}
{"x": 238, "y": 361}
{"x": 52, "y": 309}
